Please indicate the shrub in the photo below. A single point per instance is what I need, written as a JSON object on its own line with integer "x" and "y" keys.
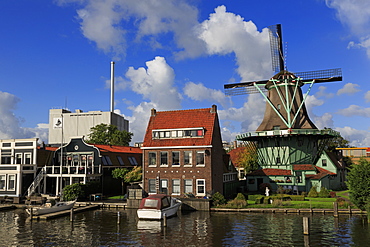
{"x": 313, "y": 192}
{"x": 280, "y": 190}
{"x": 218, "y": 199}
{"x": 304, "y": 194}
{"x": 259, "y": 200}
{"x": 324, "y": 193}
{"x": 238, "y": 202}
{"x": 277, "y": 203}
{"x": 332, "y": 194}
{"x": 73, "y": 191}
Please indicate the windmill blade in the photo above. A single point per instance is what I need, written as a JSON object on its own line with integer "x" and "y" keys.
{"x": 326, "y": 75}
{"x": 242, "y": 88}
{"x": 276, "y": 46}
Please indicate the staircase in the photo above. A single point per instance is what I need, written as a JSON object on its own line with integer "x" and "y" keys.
{"x": 36, "y": 182}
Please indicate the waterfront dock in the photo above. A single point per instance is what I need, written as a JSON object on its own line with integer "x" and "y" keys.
{"x": 64, "y": 212}
{"x": 6, "y": 207}
{"x": 289, "y": 210}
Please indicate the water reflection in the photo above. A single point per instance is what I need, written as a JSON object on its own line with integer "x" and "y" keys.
{"x": 102, "y": 228}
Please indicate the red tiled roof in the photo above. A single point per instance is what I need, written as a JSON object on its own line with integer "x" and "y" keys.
{"x": 302, "y": 167}
{"x": 321, "y": 172}
{"x": 181, "y": 119}
{"x": 270, "y": 172}
{"x": 48, "y": 148}
{"x": 118, "y": 149}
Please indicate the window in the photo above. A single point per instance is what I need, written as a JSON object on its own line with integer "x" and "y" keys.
{"x": 200, "y": 158}
{"x": 132, "y": 160}
{"x": 152, "y": 187}
{"x": 175, "y": 158}
{"x": 27, "y": 158}
{"x": 164, "y": 158}
{"x": 2, "y": 182}
{"x": 188, "y": 158}
{"x": 90, "y": 160}
{"x": 164, "y": 186}
{"x": 201, "y": 188}
{"x": 76, "y": 159}
{"x": 120, "y": 161}
{"x": 298, "y": 177}
{"x": 83, "y": 160}
{"x": 18, "y": 159}
{"x": 188, "y": 186}
{"x": 69, "y": 160}
{"x": 178, "y": 133}
{"x": 6, "y": 156}
{"x": 176, "y": 186}
{"x": 11, "y": 182}
{"x": 152, "y": 159}
{"x": 106, "y": 160}
{"x": 324, "y": 162}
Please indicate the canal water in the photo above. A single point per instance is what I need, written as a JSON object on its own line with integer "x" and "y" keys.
{"x": 102, "y": 228}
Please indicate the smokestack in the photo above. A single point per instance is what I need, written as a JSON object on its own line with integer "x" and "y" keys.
{"x": 112, "y": 86}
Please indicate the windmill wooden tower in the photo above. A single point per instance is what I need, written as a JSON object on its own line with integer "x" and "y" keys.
{"x": 286, "y": 136}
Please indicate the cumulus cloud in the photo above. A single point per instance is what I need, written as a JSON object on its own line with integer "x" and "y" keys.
{"x": 367, "y": 96}
{"x": 322, "y": 93}
{"x": 325, "y": 120}
{"x": 355, "y": 110}
{"x": 10, "y": 124}
{"x": 225, "y": 33}
{"x": 356, "y": 16}
{"x": 106, "y": 22}
{"x": 349, "y": 88}
{"x": 357, "y": 138}
{"x": 199, "y": 92}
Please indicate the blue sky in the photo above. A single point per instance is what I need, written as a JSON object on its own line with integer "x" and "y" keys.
{"x": 177, "y": 54}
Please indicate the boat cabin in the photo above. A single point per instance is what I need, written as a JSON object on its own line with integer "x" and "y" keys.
{"x": 156, "y": 201}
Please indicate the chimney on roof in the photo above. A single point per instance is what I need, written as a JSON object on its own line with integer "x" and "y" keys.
{"x": 153, "y": 112}
{"x": 214, "y": 109}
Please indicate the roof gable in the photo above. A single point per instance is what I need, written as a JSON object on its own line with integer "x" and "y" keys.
{"x": 182, "y": 119}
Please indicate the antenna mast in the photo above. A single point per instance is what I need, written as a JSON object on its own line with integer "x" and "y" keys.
{"x": 112, "y": 86}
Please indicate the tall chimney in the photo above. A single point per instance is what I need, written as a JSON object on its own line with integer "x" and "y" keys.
{"x": 112, "y": 86}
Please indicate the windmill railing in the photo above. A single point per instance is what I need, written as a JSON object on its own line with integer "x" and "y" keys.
{"x": 324, "y": 132}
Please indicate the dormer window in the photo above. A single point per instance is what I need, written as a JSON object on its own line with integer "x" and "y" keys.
{"x": 178, "y": 133}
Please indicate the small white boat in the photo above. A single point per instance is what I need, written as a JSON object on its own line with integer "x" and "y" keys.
{"x": 158, "y": 206}
{"x": 47, "y": 208}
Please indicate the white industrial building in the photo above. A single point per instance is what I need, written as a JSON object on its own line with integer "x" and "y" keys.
{"x": 64, "y": 124}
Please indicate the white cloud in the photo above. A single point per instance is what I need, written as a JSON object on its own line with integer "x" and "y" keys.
{"x": 323, "y": 93}
{"x": 326, "y": 120}
{"x": 225, "y": 33}
{"x": 357, "y": 138}
{"x": 349, "y": 88}
{"x": 156, "y": 83}
{"x": 199, "y": 92}
{"x": 105, "y": 22}
{"x": 367, "y": 96}
{"x": 10, "y": 124}
{"x": 355, "y": 110}
{"x": 355, "y": 15}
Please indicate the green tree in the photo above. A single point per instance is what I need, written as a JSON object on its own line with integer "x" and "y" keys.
{"x": 109, "y": 135}
{"x": 135, "y": 175}
{"x": 313, "y": 192}
{"x": 358, "y": 182}
{"x": 336, "y": 142}
{"x": 73, "y": 191}
{"x": 247, "y": 158}
{"x": 120, "y": 173}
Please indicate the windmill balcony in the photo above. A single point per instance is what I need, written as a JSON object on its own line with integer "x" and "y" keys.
{"x": 287, "y": 132}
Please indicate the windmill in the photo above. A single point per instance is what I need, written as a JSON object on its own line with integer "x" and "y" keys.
{"x": 285, "y": 103}
{"x": 286, "y": 135}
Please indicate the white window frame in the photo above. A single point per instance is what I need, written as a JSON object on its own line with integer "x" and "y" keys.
{"x": 166, "y": 154}
{"x": 177, "y": 152}
{"x": 198, "y": 186}
{"x": 176, "y": 188}
{"x": 18, "y": 156}
{"x": 10, "y": 176}
{"x": 3, "y": 178}
{"x": 26, "y": 155}
{"x": 204, "y": 158}
{"x": 155, "y": 159}
{"x": 190, "y": 163}
{"x": 187, "y": 186}
{"x": 152, "y": 188}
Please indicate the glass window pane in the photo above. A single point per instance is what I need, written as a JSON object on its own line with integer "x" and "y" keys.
{"x": 175, "y": 158}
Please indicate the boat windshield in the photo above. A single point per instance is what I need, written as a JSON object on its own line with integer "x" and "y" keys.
{"x": 150, "y": 203}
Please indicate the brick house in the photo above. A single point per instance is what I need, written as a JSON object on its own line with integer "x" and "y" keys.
{"x": 183, "y": 153}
